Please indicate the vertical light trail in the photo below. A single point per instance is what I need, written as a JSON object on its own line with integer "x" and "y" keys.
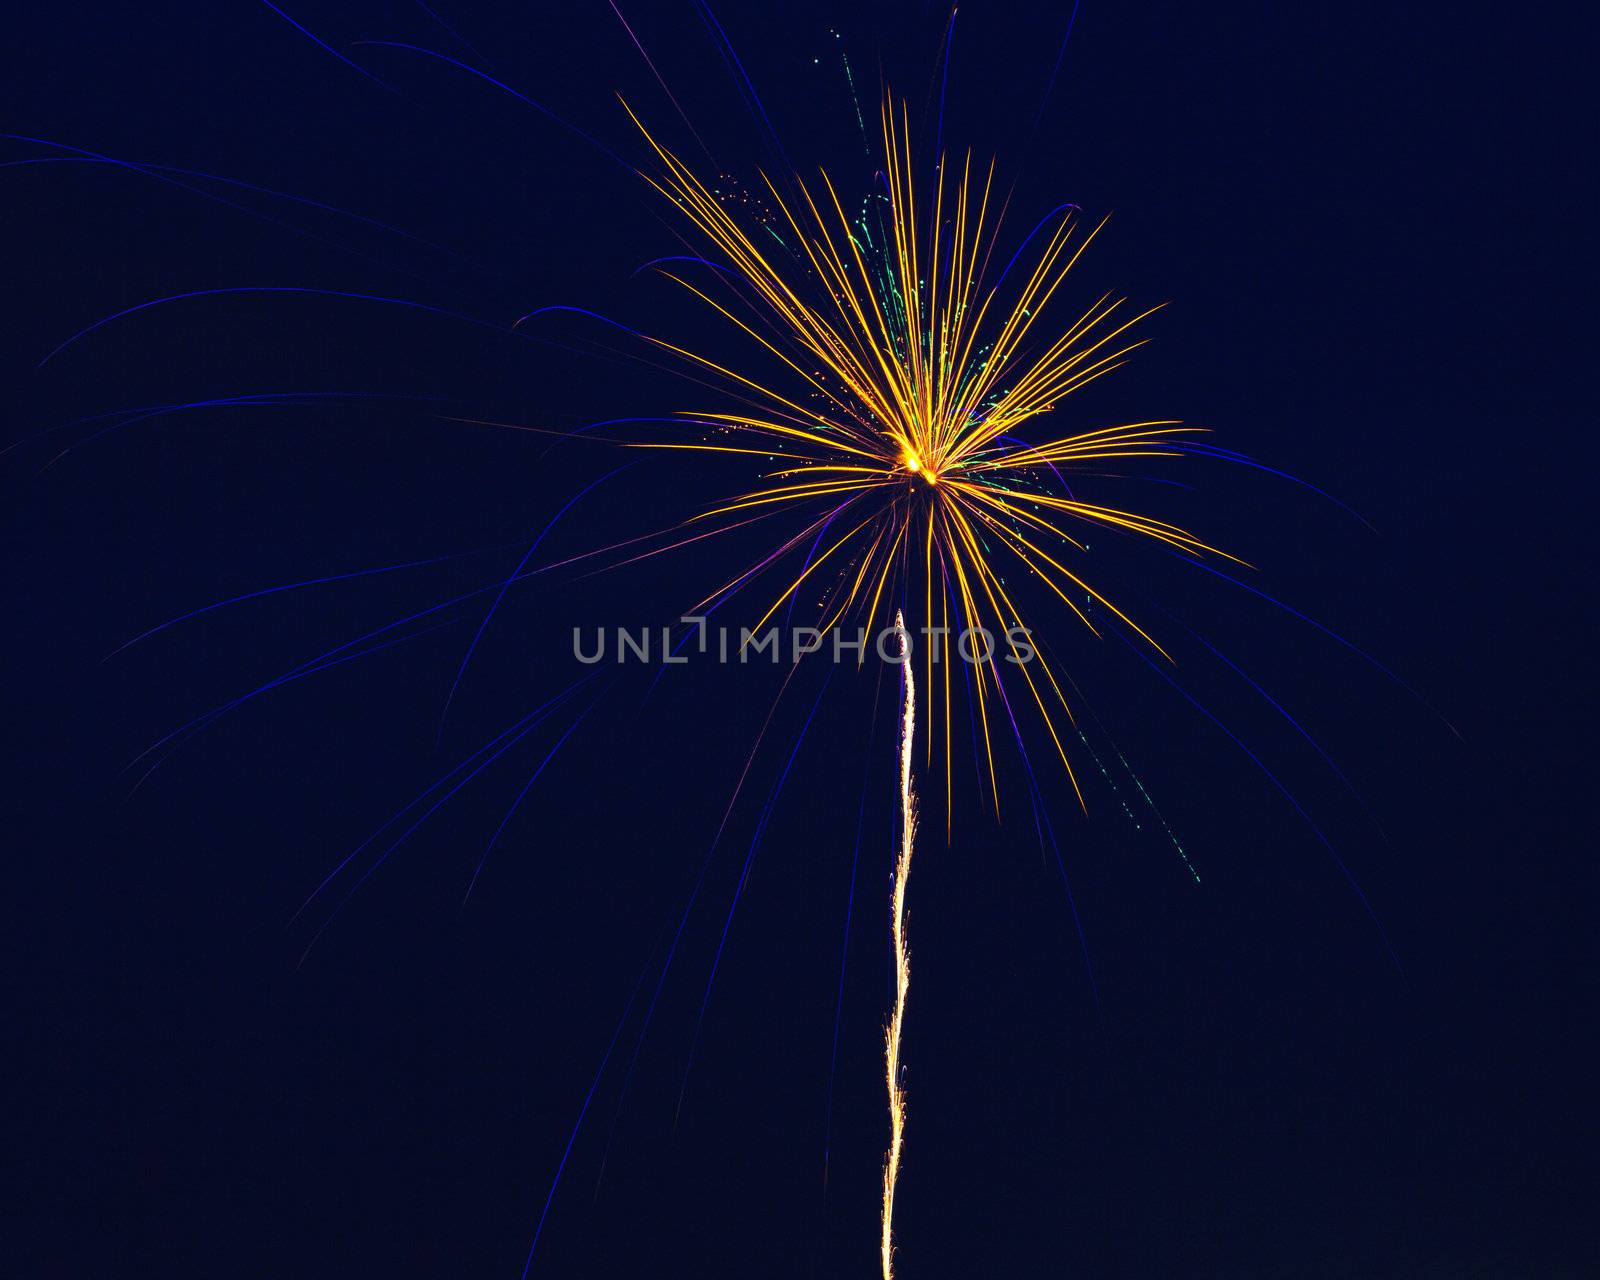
{"x": 902, "y": 959}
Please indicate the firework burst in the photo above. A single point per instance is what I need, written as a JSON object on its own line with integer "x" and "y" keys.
{"x": 894, "y": 405}
{"x": 897, "y": 401}
{"x": 907, "y": 372}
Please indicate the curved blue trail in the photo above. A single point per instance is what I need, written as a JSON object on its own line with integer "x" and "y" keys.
{"x": 1327, "y": 631}
{"x": 306, "y": 582}
{"x": 744, "y": 876}
{"x": 253, "y": 400}
{"x": 327, "y": 658}
{"x": 503, "y": 740}
{"x": 326, "y": 47}
{"x": 521, "y": 796}
{"x": 514, "y": 576}
{"x": 1285, "y": 713}
{"x": 1055, "y": 70}
{"x": 294, "y": 289}
{"x": 944, "y": 83}
{"x": 742, "y": 80}
{"x": 1282, "y": 790}
{"x": 583, "y": 1111}
{"x": 1200, "y": 449}
{"x": 447, "y": 28}
{"x": 500, "y": 84}
{"x": 1028, "y": 239}
{"x": 1046, "y": 832}
{"x": 844, "y": 946}
{"x": 206, "y": 719}
{"x": 156, "y": 171}
{"x": 683, "y": 920}
{"x": 516, "y": 735}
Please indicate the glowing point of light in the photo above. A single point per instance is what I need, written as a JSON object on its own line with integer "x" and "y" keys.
{"x": 915, "y": 466}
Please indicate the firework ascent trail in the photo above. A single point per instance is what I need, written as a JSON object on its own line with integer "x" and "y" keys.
{"x": 902, "y": 959}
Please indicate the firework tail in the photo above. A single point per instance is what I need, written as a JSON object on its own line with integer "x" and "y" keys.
{"x": 902, "y": 959}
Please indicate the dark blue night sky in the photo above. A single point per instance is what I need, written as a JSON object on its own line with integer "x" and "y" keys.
{"x": 1366, "y": 223}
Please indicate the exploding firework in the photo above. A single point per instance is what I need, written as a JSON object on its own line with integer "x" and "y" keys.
{"x": 902, "y": 367}
{"x": 903, "y": 381}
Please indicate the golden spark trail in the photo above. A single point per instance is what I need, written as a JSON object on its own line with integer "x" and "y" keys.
{"x": 902, "y": 959}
